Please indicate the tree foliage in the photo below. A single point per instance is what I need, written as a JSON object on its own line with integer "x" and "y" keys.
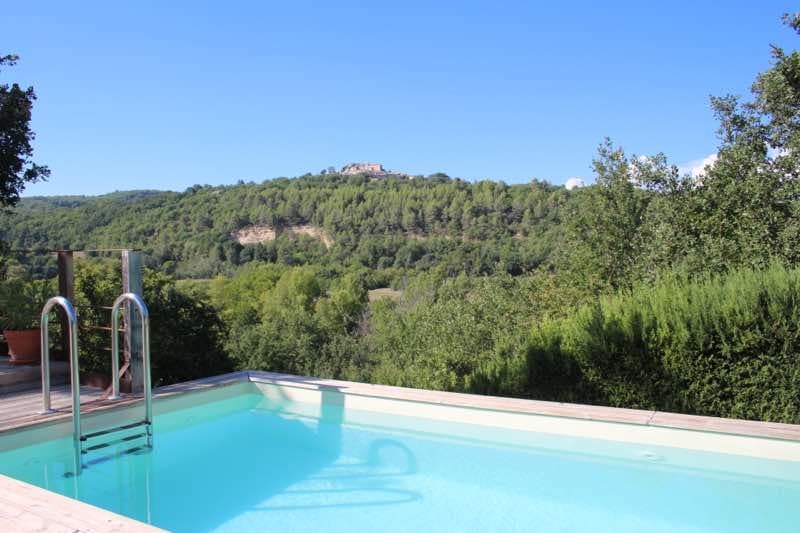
{"x": 296, "y": 321}
{"x": 186, "y": 332}
{"x": 479, "y": 228}
{"x": 16, "y": 165}
{"x": 716, "y": 345}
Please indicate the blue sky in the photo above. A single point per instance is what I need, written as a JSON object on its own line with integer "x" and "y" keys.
{"x": 168, "y": 94}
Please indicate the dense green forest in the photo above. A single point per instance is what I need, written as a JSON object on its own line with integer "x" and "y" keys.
{"x": 649, "y": 289}
{"x": 480, "y": 227}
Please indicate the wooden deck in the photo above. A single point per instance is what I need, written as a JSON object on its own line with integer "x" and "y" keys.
{"x": 14, "y": 378}
{"x": 22, "y": 409}
{"x": 22, "y": 406}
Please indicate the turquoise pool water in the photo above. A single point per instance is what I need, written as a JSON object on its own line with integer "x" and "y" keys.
{"x": 233, "y": 465}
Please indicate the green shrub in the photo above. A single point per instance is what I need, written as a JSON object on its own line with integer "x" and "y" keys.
{"x": 292, "y": 319}
{"x": 460, "y": 334}
{"x": 21, "y": 302}
{"x": 186, "y": 334}
{"x": 724, "y": 346}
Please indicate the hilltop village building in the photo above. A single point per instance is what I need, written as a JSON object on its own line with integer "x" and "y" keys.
{"x": 375, "y": 169}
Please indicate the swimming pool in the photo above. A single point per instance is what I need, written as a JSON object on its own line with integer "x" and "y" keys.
{"x": 253, "y": 456}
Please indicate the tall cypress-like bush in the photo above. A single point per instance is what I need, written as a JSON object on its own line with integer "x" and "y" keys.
{"x": 723, "y": 345}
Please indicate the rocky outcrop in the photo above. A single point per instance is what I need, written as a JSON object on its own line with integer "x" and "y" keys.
{"x": 256, "y": 234}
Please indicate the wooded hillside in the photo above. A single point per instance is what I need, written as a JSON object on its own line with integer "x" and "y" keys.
{"x": 479, "y": 227}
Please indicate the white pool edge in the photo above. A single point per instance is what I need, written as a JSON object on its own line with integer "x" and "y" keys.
{"x": 631, "y": 426}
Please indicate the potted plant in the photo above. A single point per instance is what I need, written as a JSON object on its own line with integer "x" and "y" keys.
{"x": 21, "y": 305}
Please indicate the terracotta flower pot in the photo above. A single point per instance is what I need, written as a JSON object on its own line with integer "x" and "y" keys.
{"x": 24, "y": 346}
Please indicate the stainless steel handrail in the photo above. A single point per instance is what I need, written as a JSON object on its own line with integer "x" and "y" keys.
{"x": 137, "y": 301}
{"x": 75, "y": 385}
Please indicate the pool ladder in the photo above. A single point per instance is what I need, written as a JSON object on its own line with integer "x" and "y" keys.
{"x": 80, "y": 439}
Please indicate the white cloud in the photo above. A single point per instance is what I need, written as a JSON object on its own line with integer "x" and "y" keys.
{"x": 697, "y": 167}
{"x": 574, "y": 183}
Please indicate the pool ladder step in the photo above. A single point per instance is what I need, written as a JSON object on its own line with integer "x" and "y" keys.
{"x": 113, "y": 442}
{"x": 147, "y": 434}
{"x": 87, "y": 436}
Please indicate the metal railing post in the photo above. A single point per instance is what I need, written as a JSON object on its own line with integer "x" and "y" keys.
{"x": 132, "y": 261}
{"x": 114, "y": 353}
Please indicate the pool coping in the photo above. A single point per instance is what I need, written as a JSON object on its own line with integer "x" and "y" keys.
{"x": 26, "y": 507}
{"x": 30, "y": 508}
{"x": 640, "y": 417}
{"x": 597, "y": 413}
